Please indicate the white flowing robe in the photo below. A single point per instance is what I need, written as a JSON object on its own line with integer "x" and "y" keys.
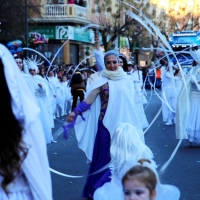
{"x": 184, "y": 105}
{"x": 35, "y": 167}
{"x": 138, "y": 97}
{"x": 169, "y": 96}
{"x": 60, "y": 100}
{"x": 42, "y": 100}
{"x": 120, "y": 109}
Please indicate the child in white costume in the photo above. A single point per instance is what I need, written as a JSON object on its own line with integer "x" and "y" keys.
{"x": 60, "y": 99}
{"x": 142, "y": 182}
{"x": 68, "y": 96}
{"x": 30, "y": 180}
{"x": 126, "y": 149}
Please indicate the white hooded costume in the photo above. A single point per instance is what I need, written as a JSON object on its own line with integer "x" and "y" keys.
{"x": 41, "y": 94}
{"x": 126, "y": 149}
{"x": 188, "y": 107}
{"x": 35, "y": 167}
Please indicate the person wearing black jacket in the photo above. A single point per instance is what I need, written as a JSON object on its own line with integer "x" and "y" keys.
{"x": 78, "y": 87}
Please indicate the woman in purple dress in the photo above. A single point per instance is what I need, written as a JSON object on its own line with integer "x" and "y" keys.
{"x": 108, "y": 103}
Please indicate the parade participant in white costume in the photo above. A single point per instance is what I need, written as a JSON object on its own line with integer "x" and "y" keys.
{"x": 125, "y": 154}
{"x": 60, "y": 98}
{"x": 50, "y": 97}
{"x": 126, "y": 149}
{"x": 41, "y": 94}
{"x": 98, "y": 53}
{"x": 68, "y": 96}
{"x": 188, "y": 126}
{"x": 27, "y": 77}
{"x": 178, "y": 81}
{"x": 137, "y": 76}
{"x": 151, "y": 75}
{"x": 108, "y": 103}
{"x": 123, "y": 62}
{"x": 130, "y": 67}
{"x": 141, "y": 182}
{"x": 169, "y": 97}
{"x": 163, "y": 71}
{"x": 53, "y": 85}
{"x": 24, "y": 165}
{"x": 138, "y": 95}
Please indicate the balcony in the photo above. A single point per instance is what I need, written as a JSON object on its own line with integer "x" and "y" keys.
{"x": 65, "y": 13}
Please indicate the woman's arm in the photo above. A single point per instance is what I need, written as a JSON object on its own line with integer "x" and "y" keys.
{"x": 98, "y": 54}
{"x": 84, "y": 105}
{"x": 92, "y": 96}
{"x": 97, "y": 41}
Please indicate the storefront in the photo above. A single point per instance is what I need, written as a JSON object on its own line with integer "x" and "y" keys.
{"x": 79, "y": 43}
{"x": 140, "y": 57}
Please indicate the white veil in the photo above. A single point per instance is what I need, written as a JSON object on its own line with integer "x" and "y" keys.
{"x": 35, "y": 166}
{"x": 126, "y": 148}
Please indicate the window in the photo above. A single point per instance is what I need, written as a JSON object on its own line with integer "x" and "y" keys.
{"x": 49, "y": 1}
{"x": 61, "y": 1}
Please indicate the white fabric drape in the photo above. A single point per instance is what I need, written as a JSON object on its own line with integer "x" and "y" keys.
{"x": 35, "y": 166}
{"x": 120, "y": 109}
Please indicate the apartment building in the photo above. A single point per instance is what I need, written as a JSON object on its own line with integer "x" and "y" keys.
{"x": 61, "y": 20}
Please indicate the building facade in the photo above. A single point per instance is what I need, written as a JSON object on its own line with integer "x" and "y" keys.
{"x": 61, "y": 21}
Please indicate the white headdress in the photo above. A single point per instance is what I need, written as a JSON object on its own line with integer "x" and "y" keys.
{"x": 33, "y": 63}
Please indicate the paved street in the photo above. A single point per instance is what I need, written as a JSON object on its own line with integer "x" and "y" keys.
{"x": 183, "y": 171}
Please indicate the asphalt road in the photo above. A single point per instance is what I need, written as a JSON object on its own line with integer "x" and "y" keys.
{"x": 183, "y": 171}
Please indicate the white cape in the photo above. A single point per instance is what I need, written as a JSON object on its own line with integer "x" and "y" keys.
{"x": 120, "y": 109}
{"x": 183, "y": 104}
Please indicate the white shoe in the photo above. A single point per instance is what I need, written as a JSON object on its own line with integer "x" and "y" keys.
{"x": 169, "y": 123}
{"x": 53, "y": 141}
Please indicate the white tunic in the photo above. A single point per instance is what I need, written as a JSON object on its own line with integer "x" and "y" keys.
{"x": 169, "y": 97}
{"x": 67, "y": 90}
{"x": 41, "y": 97}
{"x": 178, "y": 84}
{"x": 138, "y": 97}
{"x": 60, "y": 100}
